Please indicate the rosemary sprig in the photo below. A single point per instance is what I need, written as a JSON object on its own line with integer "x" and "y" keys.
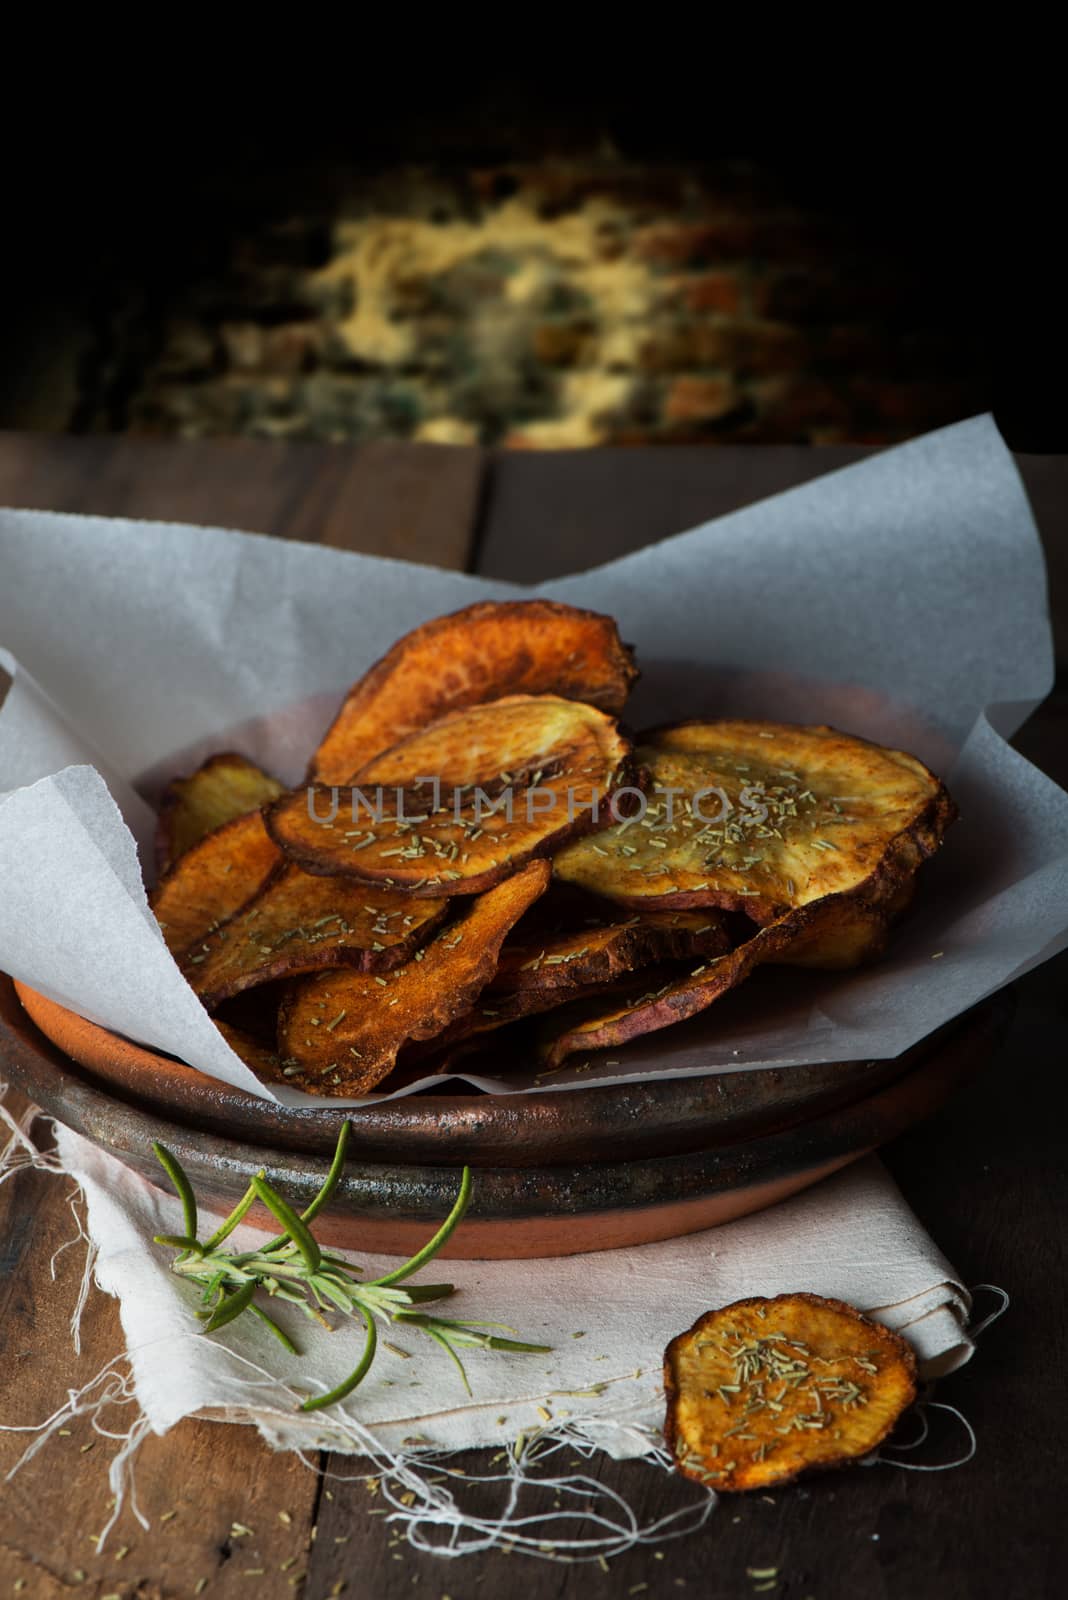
{"x": 294, "y": 1267}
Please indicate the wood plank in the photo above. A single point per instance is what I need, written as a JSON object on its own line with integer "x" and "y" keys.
{"x": 415, "y": 503}
{"x": 410, "y": 502}
{"x": 548, "y": 513}
{"x": 209, "y": 1475}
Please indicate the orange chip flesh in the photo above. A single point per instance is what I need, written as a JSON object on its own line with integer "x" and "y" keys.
{"x": 213, "y": 880}
{"x": 339, "y": 1033}
{"x": 485, "y": 652}
{"x": 298, "y": 923}
{"x": 431, "y": 815}
{"x": 226, "y": 786}
{"x": 764, "y": 1390}
{"x": 599, "y": 954}
{"x": 765, "y": 818}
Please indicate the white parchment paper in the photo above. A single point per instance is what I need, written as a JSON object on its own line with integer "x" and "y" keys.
{"x": 902, "y": 599}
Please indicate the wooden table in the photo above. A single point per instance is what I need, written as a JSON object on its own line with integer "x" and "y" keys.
{"x": 986, "y": 1175}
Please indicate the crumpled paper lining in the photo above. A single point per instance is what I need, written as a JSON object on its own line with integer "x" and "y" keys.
{"x": 902, "y": 599}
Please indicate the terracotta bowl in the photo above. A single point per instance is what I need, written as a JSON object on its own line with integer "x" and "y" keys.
{"x": 559, "y": 1173}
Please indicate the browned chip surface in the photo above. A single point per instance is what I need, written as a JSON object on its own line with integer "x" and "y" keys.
{"x": 765, "y": 817}
{"x": 212, "y": 880}
{"x": 256, "y": 1055}
{"x": 503, "y": 782}
{"x": 674, "y": 999}
{"x": 764, "y": 1390}
{"x": 339, "y": 1033}
{"x": 226, "y": 786}
{"x": 600, "y": 953}
{"x": 491, "y": 1012}
{"x": 298, "y": 923}
{"x": 485, "y": 652}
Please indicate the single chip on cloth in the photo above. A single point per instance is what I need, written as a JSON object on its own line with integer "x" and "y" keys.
{"x": 298, "y": 923}
{"x": 485, "y": 652}
{"x": 339, "y": 1033}
{"x": 213, "y": 880}
{"x": 227, "y": 786}
{"x": 458, "y": 806}
{"x": 763, "y": 1390}
{"x": 764, "y": 817}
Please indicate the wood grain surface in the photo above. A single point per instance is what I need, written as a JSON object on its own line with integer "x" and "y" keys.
{"x": 986, "y": 1175}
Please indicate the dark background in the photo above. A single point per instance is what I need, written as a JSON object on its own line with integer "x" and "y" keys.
{"x": 919, "y": 279}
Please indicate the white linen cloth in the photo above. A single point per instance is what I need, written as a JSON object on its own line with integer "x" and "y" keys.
{"x": 607, "y": 1316}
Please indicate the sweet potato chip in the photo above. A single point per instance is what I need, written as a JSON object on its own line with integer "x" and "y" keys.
{"x": 212, "y": 880}
{"x": 456, "y": 807}
{"x": 260, "y": 1058}
{"x": 763, "y": 818}
{"x": 485, "y": 652}
{"x": 299, "y": 923}
{"x": 226, "y": 786}
{"x": 670, "y": 999}
{"x": 339, "y": 1033}
{"x": 764, "y": 1390}
{"x": 602, "y": 951}
{"x": 491, "y": 1012}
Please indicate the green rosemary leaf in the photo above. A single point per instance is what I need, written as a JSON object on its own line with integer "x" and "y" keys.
{"x": 493, "y": 1341}
{"x": 279, "y": 1333}
{"x": 231, "y": 1306}
{"x": 292, "y": 1224}
{"x": 468, "y": 1334}
{"x": 238, "y": 1214}
{"x": 430, "y": 1250}
{"x": 419, "y": 1293}
{"x": 178, "y": 1241}
{"x": 329, "y": 1290}
{"x": 330, "y": 1183}
{"x": 319, "y": 1402}
{"x": 184, "y": 1189}
{"x": 212, "y": 1287}
{"x": 440, "y": 1338}
{"x": 292, "y": 1267}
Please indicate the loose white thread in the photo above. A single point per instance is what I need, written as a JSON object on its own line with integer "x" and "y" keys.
{"x": 422, "y": 1489}
{"x": 923, "y": 1406}
{"x": 432, "y": 1520}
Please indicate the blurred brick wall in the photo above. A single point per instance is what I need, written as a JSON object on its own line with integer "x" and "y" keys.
{"x": 546, "y": 306}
